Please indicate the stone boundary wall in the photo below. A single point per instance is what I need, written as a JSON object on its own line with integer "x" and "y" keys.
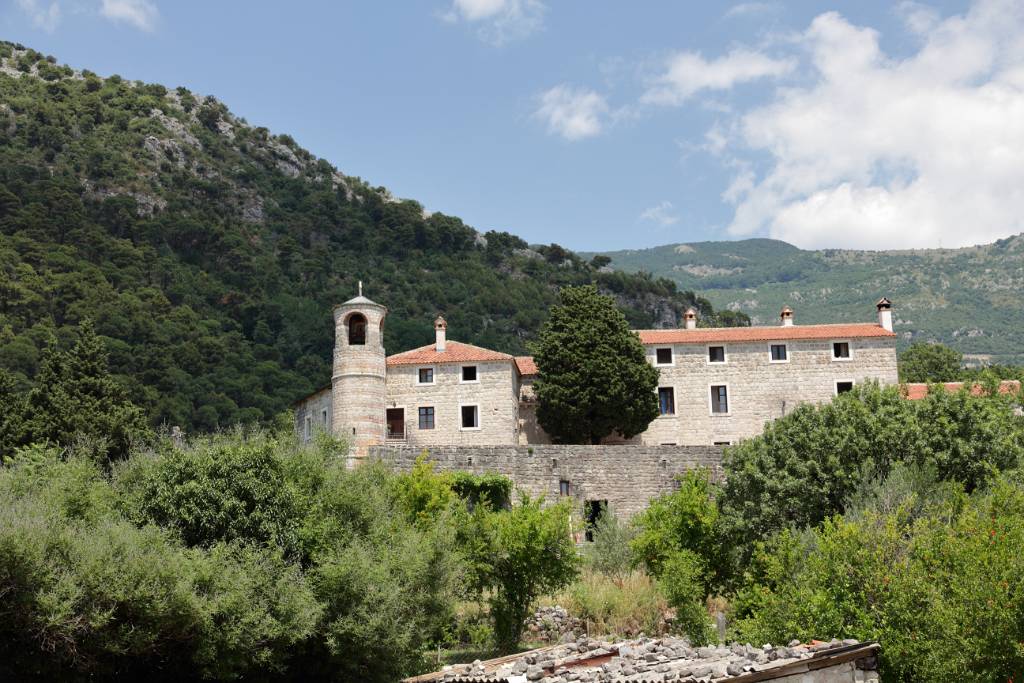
{"x": 626, "y": 475}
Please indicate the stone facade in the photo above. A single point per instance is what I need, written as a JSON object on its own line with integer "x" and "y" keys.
{"x": 758, "y": 389}
{"x": 492, "y": 392}
{"x": 625, "y": 476}
{"x": 314, "y": 413}
{"x": 376, "y": 398}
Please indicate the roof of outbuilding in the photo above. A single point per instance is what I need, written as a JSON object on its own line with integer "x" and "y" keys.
{"x": 526, "y": 365}
{"x": 658, "y": 660}
{"x": 704, "y": 335}
{"x": 454, "y": 352}
{"x": 915, "y": 391}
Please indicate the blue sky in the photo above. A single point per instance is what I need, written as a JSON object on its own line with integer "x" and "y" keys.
{"x": 607, "y": 125}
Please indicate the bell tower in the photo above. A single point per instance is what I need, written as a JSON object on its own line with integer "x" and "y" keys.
{"x": 358, "y": 389}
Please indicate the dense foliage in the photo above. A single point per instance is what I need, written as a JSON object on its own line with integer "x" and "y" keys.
{"x": 75, "y": 402}
{"x": 209, "y": 253}
{"x": 249, "y": 555}
{"x": 594, "y": 379}
{"x": 806, "y": 464}
{"x": 933, "y": 574}
{"x": 923, "y": 362}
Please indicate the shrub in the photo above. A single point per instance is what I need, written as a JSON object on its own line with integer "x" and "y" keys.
{"x": 627, "y": 605}
{"x": 610, "y": 553}
{"x": 683, "y": 583}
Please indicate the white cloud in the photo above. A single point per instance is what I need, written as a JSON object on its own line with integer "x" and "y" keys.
{"x": 499, "y": 21}
{"x": 44, "y": 16}
{"x": 573, "y": 113}
{"x": 878, "y": 152}
{"x": 750, "y": 9}
{"x": 663, "y": 214}
{"x": 141, "y": 14}
{"x": 687, "y": 73}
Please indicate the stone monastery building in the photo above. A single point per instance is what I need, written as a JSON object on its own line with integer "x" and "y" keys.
{"x": 716, "y": 386}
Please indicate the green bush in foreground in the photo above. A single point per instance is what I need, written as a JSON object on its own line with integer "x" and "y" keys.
{"x": 238, "y": 556}
{"x": 938, "y": 580}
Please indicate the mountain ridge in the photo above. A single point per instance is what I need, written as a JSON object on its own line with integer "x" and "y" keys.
{"x": 210, "y": 252}
{"x": 964, "y": 297}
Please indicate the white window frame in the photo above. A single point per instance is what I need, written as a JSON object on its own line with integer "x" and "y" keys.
{"x": 478, "y": 417}
{"x": 832, "y": 350}
{"x": 323, "y": 414}
{"x": 433, "y": 375}
{"x": 469, "y": 381}
{"x": 725, "y": 354}
{"x": 778, "y": 362}
{"x": 836, "y": 383}
{"x": 671, "y": 350}
{"x": 675, "y": 411}
{"x": 728, "y": 399}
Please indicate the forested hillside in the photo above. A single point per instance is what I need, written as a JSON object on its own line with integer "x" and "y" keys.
{"x": 209, "y": 252}
{"x": 966, "y": 298}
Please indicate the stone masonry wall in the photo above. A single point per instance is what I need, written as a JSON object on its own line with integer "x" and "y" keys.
{"x": 493, "y": 393}
{"x": 627, "y": 476}
{"x": 317, "y": 407}
{"x": 759, "y": 390}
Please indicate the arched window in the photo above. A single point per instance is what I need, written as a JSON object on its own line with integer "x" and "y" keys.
{"x": 356, "y": 329}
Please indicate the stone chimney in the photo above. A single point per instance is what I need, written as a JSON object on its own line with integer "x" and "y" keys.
{"x": 440, "y": 327}
{"x": 884, "y": 307}
{"x": 691, "y": 319}
{"x": 786, "y": 316}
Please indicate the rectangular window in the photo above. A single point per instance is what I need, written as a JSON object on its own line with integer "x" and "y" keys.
{"x": 426, "y": 376}
{"x": 779, "y": 353}
{"x": 470, "y": 417}
{"x": 716, "y": 354}
{"x": 723, "y": 443}
{"x": 427, "y": 417}
{"x": 840, "y": 350}
{"x": 323, "y": 416}
{"x": 720, "y": 399}
{"x": 564, "y": 488}
{"x": 469, "y": 373}
{"x": 663, "y": 356}
{"x": 667, "y": 400}
{"x": 309, "y": 427}
{"x": 843, "y": 387}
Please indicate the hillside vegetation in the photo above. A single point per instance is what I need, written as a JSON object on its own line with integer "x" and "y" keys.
{"x": 209, "y": 252}
{"x": 966, "y": 298}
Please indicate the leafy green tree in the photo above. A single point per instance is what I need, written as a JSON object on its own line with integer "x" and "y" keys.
{"x": 684, "y": 583}
{"x": 936, "y": 582}
{"x": 76, "y": 399}
{"x": 594, "y": 378}
{"x": 12, "y": 414}
{"x": 804, "y": 466}
{"x": 686, "y": 519}
{"x": 519, "y": 555}
{"x": 923, "y": 362}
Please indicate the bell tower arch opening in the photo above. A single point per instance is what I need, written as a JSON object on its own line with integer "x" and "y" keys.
{"x": 356, "y": 329}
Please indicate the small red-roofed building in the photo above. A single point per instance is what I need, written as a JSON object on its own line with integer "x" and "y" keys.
{"x": 716, "y": 385}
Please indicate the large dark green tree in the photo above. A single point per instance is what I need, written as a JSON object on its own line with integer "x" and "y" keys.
{"x": 76, "y": 400}
{"x": 594, "y": 378}
{"x": 12, "y": 414}
{"x": 923, "y": 362}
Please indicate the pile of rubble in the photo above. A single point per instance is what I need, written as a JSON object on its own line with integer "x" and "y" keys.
{"x": 553, "y": 625}
{"x": 670, "y": 659}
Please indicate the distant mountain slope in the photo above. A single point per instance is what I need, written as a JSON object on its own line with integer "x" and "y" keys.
{"x": 968, "y": 298}
{"x": 210, "y": 252}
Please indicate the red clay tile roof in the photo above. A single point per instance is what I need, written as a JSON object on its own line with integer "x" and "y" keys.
{"x": 915, "y": 391}
{"x": 526, "y": 365}
{"x": 455, "y": 352}
{"x": 703, "y": 335}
